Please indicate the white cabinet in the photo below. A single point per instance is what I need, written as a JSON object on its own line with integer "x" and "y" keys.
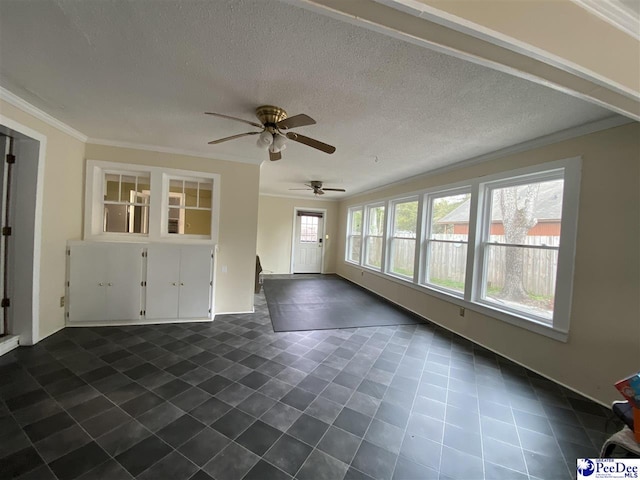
{"x": 179, "y": 280}
{"x": 104, "y": 282}
{"x": 120, "y": 283}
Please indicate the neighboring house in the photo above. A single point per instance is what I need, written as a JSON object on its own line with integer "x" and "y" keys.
{"x": 547, "y": 210}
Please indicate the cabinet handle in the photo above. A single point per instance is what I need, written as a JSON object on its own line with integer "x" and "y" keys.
{"x": 174, "y": 284}
{"x": 181, "y": 284}
{"x": 101, "y": 284}
{"x": 109, "y": 284}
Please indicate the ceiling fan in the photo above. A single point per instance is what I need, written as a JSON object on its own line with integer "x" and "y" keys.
{"x": 318, "y": 189}
{"x": 273, "y": 135}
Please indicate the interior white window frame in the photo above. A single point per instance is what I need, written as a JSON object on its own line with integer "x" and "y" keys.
{"x": 429, "y": 198}
{"x": 351, "y": 235}
{"x": 569, "y": 169}
{"x": 167, "y": 176}
{"x": 390, "y": 212}
{"x": 382, "y": 236}
{"x": 158, "y": 203}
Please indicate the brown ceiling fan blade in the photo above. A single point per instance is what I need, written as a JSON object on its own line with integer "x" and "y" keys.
{"x": 274, "y": 156}
{"x": 334, "y": 189}
{"x": 301, "y": 120}
{"x": 305, "y": 189}
{"x": 234, "y": 118}
{"x": 319, "y": 192}
{"x": 296, "y": 137}
{"x": 213, "y": 142}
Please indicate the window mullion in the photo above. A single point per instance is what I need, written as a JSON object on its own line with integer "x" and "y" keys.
{"x": 419, "y": 253}
{"x": 475, "y": 257}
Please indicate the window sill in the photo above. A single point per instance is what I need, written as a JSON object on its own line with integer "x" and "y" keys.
{"x": 507, "y": 317}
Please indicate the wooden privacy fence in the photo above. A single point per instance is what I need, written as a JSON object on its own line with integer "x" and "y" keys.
{"x": 448, "y": 262}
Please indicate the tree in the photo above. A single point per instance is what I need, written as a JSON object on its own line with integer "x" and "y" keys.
{"x": 517, "y": 221}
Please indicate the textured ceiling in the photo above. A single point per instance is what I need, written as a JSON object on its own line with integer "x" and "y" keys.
{"x": 143, "y": 72}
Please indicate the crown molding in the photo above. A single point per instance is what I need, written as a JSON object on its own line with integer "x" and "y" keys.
{"x": 614, "y": 13}
{"x": 174, "y": 151}
{"x": 26, "y": 107}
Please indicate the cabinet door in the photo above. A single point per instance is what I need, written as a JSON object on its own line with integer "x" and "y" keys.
{"x": 87, "y": 291}
{"x": 195, "y": 278}
{"x": 124, "y": 275}
{"x": 163, "y": 281}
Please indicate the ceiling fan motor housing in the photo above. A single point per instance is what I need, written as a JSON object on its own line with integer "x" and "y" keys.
{"x": 269, "y": 115}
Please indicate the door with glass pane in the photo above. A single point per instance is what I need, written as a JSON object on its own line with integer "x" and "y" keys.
{"x": 309, "y": 233}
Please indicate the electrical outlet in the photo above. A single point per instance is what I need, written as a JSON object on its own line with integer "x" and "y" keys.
{"x": 62, "y": 301}
{"x": 462, "y": 311}
{"x": 362, "y": 273}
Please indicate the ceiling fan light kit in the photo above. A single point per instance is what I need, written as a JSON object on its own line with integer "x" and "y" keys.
{"x": 272, "y": 137}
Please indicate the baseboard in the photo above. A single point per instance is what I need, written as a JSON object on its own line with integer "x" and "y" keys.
{"x": 140, "y": 322}
{"x": 8, "y": 343}
{"x": 49, "y": 334}
{"x": 599, "y": 402}
{"x": 253, "y": 310}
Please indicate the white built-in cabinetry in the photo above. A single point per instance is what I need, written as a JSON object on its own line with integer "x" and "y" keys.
{"x": 124, "y": 283}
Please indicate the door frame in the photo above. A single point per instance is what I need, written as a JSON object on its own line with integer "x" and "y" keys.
{"x": 293, "y": 233}
{"x": 30, "y": 149}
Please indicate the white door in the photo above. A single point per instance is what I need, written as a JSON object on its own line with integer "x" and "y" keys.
{"x": 163, "y": 281}
{"x": 123, "y": 277}
{"x": 309, "y": 234}
{"x": 195, "y": 282}
{"x": 87, "y": 283}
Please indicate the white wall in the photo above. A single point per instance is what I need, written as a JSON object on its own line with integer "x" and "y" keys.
{"x": 604, "y": 336}
{"x": 275, "y": 232}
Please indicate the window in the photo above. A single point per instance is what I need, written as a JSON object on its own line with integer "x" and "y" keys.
{"x": 189, "y": 206}
{"x": 354, "y": 235}
{"x": 374, "y": 236}
{"x": 447, "y": 240}
{"x": 308, "y": 229}
{"x": 402, "y": 245}
{"x": 502, "y": 245}
{"x": 126, "y": 202}
{"x": 520, "y": 243}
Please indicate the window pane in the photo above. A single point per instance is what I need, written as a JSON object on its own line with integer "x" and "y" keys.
{"x": 308, "y": 229}
{"x": 447, "y": 265}
{"x": 112, "y": 187}
{"x": 127, "y": 188}
{"x": 176, "y": 186}
{"x": 144, "y": 188}
{"x": 523, "y": 211}
{"x": 402, "y": 255}
{"x": 356, "y": 222}
{"x": 191, "y": 194}
{"x": 197, "y": 222}
{"x": 355, "y": 247}
{"x": 521, "y": 278}
{"x": 205, "y": 194}
{"x": 374, "y": 251}
{"x": 115, "y": 218}
{"x": 175, "y": 220}
{"x": 405, "y": 219}
{"x": 138, "y": 219}
{"x": 450, "y": 217}
{"x": 376, "y": 220}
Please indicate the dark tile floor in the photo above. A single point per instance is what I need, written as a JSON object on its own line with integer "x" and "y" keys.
{"x": 233, "y": 400}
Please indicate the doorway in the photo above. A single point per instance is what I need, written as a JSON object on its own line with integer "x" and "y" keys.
{"x": 23, "y": 247}
{"x": 308, "y": 241}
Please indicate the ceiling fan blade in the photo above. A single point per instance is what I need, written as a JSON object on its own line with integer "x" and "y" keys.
{"x": 274, "y": 156}
{"x": 213, "y": 142}
{"x": 296, "y": 137}
{"x": 296, "y": 121}
{"x": 306, "y": 189}
{"x": 319, "y": 192}
{"x": 234, "y": 118}
{"x": 334, "y": 189}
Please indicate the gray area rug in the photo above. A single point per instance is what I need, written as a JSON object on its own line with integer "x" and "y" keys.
{"x": 324, "y": 302}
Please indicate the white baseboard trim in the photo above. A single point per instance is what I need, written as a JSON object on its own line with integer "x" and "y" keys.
{"x": 8, "y": 343}
{"x": 140, "y": 322}
{"x": 253, "y": 310}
